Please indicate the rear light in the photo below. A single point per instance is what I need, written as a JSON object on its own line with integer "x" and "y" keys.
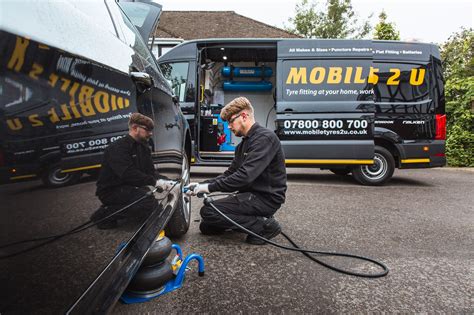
{"x": 440, "y": 127}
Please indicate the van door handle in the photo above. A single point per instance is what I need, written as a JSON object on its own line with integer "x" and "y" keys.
{"x": 288, "y": 110}
{"x": 142, "y": 79}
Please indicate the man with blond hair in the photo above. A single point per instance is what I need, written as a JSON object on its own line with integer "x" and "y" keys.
{"x": 128, "y": 169}
{"x": 257, "y": 174}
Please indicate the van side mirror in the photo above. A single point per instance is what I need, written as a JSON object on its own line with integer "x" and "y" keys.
{"x": 142, "y": 80}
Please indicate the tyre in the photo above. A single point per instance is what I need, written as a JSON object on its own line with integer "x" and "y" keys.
{"x": 341, "y": 171}
{"x": 53, "y": 177}
{"x": 179, "y": 222}
{"x": 378, "y": 173}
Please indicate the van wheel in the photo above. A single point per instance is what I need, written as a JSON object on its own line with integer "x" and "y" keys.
{"x": 341, "y": 171}
{"x": 379, "y": 172}
{"x": 53, "y": 177}
{"x": 179, "y": 222}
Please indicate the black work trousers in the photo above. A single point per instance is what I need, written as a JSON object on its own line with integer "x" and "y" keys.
{"x": 125, "y": 195}
{"x": 244, "y": 208}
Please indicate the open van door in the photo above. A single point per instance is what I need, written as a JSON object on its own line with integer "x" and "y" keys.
{"x": 144, "y": 15}
{"x": 325, "y": 107}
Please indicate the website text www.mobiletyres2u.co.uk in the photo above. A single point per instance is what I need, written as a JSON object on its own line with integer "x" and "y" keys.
{"x": 323, "y": 132}
{"x": 325, "y": 127}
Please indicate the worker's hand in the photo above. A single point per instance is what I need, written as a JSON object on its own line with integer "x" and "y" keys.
{"x": 189, "y": 188}
{"x": 199, "y": 189}
{"x": 164, "y": 184}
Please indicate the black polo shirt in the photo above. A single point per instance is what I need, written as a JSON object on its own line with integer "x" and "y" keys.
{"x": 258, "y": 167}
{"x": 126, "y": 162}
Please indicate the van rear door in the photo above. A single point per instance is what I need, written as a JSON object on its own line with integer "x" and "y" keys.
{"x": 325, "y": 108}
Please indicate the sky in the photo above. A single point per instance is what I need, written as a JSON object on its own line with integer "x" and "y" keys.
{"x": 431, "y": 21}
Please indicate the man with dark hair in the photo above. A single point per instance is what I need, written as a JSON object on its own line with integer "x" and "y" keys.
{"x": 127, "y": 170}
{"x": 257, "y": 173}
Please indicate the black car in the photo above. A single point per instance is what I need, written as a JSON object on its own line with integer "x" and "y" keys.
{"x": 71, "y": 74}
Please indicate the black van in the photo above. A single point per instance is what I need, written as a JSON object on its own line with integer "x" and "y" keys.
{"x": 71, "y": 73}
{"x": 352, "y": 106}
{"x": 60, "y": 107}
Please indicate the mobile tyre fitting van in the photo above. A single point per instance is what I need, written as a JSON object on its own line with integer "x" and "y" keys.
{"x": 351, "y": 106}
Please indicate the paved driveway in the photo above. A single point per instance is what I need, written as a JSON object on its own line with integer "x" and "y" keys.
{"x": 421, "y": 225}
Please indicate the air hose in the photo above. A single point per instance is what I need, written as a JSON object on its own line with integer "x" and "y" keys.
{"x": 209, "y": 201}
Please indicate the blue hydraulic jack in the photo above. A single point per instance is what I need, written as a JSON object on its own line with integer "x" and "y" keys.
{"x": 179, "y": 269}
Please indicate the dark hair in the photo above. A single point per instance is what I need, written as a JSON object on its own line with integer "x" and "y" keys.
{"x": 140, "y": 119}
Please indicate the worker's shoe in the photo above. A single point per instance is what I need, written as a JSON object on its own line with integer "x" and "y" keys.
{"x": 208, "y": 229}
{"x": 271, "y": 228}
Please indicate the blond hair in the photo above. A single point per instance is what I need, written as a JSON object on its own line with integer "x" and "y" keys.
{"x": 236, "y": 106}
{"x": 140, "y": 119}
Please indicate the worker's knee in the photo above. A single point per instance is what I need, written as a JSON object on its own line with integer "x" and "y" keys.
{"x": 207, "y": 212}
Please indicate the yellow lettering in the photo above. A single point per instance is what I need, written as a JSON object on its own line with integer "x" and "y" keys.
{"x": 53, "y": 117}
{"x": 113, "y": 102}
{"x": 373, "y": 77}
{"x": 36, "y": 70}
{"x": 296, "y": 75}
{"x": 53, "y": 79}
{"x": 14, "y": 124}
{"x": 358, "y": 76}
{"x": 120, "y": 102}
{"x": 417, "y": 76}
{"x": 18, "y": 57}
{"x": 101, "y": 102}
{"x": 85, "y": 103}
{"x": 393, "y": 80}
{"x": 72, "y": 102}
{"x": 66, "y": 113}
{"x": 35, "y": 121}
{"x": 127, "y": 102}
{"x": 347, "y": 77}
{"x": 334, "y": 75}
{"x": 65, "y": 84}
{"x": 317, "y": 75}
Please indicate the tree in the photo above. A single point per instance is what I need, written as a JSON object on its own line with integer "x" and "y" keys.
{"x": 458, "y": 63}
{"x": 334, "y": 19}
{"x": 385, "y": 30}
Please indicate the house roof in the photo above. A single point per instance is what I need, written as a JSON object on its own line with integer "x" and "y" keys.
{"x": 214, "y": 24}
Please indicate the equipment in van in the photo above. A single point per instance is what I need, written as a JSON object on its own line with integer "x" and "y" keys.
{"x": 259, "y": 72}
{"x": 208, "y": 201}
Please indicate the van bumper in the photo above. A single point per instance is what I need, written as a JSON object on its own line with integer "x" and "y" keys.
{"x": 426, "y": 154}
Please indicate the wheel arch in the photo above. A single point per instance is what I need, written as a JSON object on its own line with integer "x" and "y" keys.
{"x": 390, "y": 146}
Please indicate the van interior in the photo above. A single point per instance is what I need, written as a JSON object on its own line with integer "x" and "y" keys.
{"x": 227, "y": 72}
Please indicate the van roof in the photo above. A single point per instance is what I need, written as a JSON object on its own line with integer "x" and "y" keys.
{"x": 377, "y": 49}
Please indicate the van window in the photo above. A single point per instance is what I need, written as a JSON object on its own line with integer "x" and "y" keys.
{"x": 177, "y": 76}
{"x": 401, "y": 83}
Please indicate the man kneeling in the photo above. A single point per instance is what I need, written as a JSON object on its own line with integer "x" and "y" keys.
{"x": 257, "y": 173}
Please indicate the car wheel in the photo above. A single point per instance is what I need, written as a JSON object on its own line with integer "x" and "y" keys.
{"x": 379, "y": 172}
{"x": 53, "y": 177}
{"x": 341, "y": 171}
{"x": 179, "y": 222}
